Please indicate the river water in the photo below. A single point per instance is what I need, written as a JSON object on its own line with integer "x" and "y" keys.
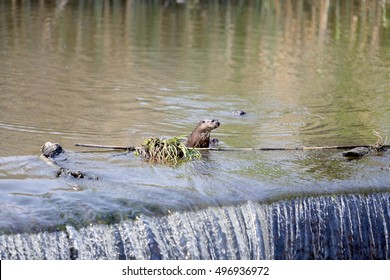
{"x": 308, "y": 73}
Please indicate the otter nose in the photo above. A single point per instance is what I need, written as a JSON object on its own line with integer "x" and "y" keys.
{"x": 216, "y": 122}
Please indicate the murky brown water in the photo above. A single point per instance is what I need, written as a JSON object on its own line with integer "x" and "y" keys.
{"x": 116, "y": 72}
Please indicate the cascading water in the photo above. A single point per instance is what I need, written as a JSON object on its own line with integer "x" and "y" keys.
{"x": 346, "y": 226}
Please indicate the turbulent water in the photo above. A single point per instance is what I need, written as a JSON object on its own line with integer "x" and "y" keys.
{"x": 323, "y": 227}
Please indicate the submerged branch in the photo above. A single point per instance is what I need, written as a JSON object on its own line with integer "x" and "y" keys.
{"x": 108, "y": 147}
{"x": 133, "y": 148}
{"x": 291, "y": 148}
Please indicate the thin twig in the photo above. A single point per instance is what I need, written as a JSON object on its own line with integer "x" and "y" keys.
{"x": 132, "y": 148}
{"x": 287, "y": 148}
{"x": 128, "y": 148}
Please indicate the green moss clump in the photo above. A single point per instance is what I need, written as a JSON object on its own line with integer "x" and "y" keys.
{"x": 170, "y": 151}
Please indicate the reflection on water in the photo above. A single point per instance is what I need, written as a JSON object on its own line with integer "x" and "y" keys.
{"x": 116, "y": 72}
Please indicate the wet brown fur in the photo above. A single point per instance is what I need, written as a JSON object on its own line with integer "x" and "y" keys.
{"x": 200, "y": 136}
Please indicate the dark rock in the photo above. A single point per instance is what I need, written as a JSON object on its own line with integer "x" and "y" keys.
{"x": 51, "y": 150}
{"x": 239, "y": 113}
{"x": 214, "y": 142}
{"x": 387, "y": 168}
{"x": 357, "y": 152}
{"x": 66, "y": 172}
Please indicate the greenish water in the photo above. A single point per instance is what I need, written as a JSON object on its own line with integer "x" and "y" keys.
{"x": 308, "y": 73}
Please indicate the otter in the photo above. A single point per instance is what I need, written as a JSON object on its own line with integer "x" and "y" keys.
{"x": 200, "y": 136}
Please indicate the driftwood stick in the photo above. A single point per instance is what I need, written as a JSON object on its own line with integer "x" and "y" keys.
{"x": 128, "y": 148}
{"x": 285, "y": 148}
{"x": 132, "y": 148}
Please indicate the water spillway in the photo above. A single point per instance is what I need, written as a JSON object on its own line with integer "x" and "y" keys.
{"x": 344, "y": 226}
{"x": 307, "y": 78}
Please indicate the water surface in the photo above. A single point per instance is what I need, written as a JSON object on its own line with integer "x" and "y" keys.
{"x": 308, "y": 73}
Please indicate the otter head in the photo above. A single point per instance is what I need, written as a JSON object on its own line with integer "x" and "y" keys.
{"x": 200, "y": 136}
{"x": 207, "y": 125}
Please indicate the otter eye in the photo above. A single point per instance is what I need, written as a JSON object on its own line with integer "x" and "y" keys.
{"x": 203, "y": 121}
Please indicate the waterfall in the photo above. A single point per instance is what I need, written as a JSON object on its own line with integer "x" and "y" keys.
{"x": 344, "y": 226}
